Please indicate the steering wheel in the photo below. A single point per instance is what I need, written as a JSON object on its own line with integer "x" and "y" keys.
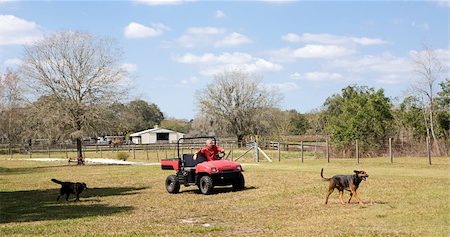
{"x": 221, "y": 155}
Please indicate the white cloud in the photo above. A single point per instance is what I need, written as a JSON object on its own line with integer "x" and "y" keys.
{"x": 332, "y": 39}
{"x": 384, "y": 68}
{"x": 189, "y": 81}
{"x": 16, "y": 31}
{"x": 283, "y": 87}
{"x": 424, "y": 26}
{"x": 233, "y": 39}
{"x": 211, "y": 36}
{"x": 210, "y": 64}
{"x": 311, "y": 52}
{"x": 135, "y": 30}
{"x": 13, "y": 62}
{"x": 295, "y": 76}
{"x": 291, "y": 37}
{"x": 129, "y": 67}
{"x": 443, "y": 3}
{"x": 442, "y": 55}
{"x": 209, "y": 58}
{"x": 220, "y": 14}
{"x": 321, "y": 51}
{"x": 320, "y": 76}
{"x": 159, "y": 2}
{"x": 199, "y": 36}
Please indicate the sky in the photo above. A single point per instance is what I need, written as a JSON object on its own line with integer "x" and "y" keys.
{"x": 305, "y": 50}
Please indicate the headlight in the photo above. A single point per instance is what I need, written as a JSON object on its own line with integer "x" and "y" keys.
{"x": 214, "y": 170}
{"x": 239, "y": 168}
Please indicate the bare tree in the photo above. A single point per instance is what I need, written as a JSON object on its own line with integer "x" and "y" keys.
{"x": 430, "y": 70}
{"x": 236, "y": 101}
{"x": 80, "y": 72}
{"x": 10, "y": 105}
{"x": 277, "y": 123}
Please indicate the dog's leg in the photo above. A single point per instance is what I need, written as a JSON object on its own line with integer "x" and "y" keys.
{"x": 67, "y": 197}
{"x": 357, "y": 197}
{"x": 57, "y": 199}
{"x": 351, "y": 194}
{"x": 328, "y": 194}
{"x": 330, "y": 190}
{"x": 341, "y": 194}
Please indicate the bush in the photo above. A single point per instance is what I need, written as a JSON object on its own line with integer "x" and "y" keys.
{"x": 122, "y": 156}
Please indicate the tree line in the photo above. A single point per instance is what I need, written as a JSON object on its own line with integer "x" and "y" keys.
{"x": 70, "y": 86}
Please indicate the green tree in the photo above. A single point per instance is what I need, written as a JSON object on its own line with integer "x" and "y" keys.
{"x": 443, "y": 112}
{"x": 411, "y": 117}
{"x": 299, "y": 123}
{"x": 141, "y": 115}
{"x": 177, "y": 125}
{"x": 359, "y": 113}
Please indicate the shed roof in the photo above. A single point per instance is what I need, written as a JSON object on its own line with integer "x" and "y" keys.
{"x": 153, "y": 130}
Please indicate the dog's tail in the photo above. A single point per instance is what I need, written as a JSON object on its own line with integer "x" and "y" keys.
{"x": 56, "y": 181}
{"x": 321, "y": 175}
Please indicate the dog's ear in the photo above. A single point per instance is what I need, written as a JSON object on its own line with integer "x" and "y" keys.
{"x": 356, "y": 171}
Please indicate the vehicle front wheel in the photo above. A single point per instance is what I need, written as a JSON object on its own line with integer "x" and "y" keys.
{"x": 205, "y": 185}
{"x": 172, "y": 184}
{"x": 239, "y": 182}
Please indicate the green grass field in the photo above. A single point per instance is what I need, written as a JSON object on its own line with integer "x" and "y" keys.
{"x": 407, "y": 198}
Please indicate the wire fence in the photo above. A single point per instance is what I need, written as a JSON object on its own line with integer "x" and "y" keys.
{"x": 319, "y": 148}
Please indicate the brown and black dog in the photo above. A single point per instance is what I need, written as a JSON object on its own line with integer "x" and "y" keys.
{"x": 347, "y": 182}
{"x": 68, "y": 188}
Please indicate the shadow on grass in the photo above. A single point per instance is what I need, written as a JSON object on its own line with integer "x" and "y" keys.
{"x": 39, "y": 205}
{"x": 26, "y": 170}
{"x": 218, "y": 190}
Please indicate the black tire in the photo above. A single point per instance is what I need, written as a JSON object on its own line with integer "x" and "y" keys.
{"x": 172, "y": 184}
{"x": 239, "y": 182}
{"x": 205, "y": 184}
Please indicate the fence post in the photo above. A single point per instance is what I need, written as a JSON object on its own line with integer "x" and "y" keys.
{"x": 390, "y": 150}
{"x": 146, "y": 151}
{"x": 357, "y": 151}
{"x": 328, "y": 150}
{"x": 428, "y": 150}
{"x": 157, "y": 152}
{"x": 279, "y": 152}
{"x": 301, "y": 147}
{"x": 256, "y": 152}
{"x": 231, "y": 150}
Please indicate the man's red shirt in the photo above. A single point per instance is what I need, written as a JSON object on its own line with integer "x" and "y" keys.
{"x": 210, "y": 153}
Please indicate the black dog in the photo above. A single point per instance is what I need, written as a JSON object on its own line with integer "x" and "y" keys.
{"x": 347, "y": 182}
{"x": 68, "y": 188}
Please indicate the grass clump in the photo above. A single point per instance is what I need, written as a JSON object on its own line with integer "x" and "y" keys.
{"x": 122, "y": 155}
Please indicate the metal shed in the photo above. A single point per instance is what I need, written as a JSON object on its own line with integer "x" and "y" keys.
{"x": 156, "y": 135}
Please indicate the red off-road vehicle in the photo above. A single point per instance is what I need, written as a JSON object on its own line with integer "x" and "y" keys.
{"x": 204, "y": 174}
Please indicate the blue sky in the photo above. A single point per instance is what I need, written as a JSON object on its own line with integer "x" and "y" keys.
{"x": 307, "y": 50}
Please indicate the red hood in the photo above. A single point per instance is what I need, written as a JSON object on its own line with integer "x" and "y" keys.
{"x": 220, "y": 165}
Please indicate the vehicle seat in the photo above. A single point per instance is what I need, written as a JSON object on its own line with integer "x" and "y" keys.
{"x": 189, "y": 161}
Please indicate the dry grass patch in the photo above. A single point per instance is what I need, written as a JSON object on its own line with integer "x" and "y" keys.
{"x": 407, "y": 198}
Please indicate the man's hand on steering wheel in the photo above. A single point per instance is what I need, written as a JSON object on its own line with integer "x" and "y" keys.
{"x": 221, "y": 155}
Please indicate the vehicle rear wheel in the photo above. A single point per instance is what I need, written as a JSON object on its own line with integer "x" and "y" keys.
{"x": 239, "y": 182}
{"x": 172, "y": 184}
{"x": 205, "y": 185}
